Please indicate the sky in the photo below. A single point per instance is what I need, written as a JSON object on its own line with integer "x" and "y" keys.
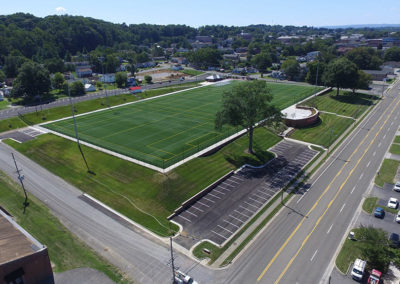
{"x": 212, "y": 12}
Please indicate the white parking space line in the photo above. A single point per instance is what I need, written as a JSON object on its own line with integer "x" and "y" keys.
{"x": 315, "y": 253}
{"x": 330, "y": 228}
{"x": 201, "y": 203}
{"x": 198, "y": 209}
{"x": 256, "y": 201}
{"x": 233, "y": 181}
{"x": 223, "y": 228}
{"x": 262, "y": 192}
{"x": 236, "y": 218}
{"x": 219, "y": 192}
{"x": 247, "y": 209}
{"x": 223, "y": 188}
{"x": 368, "y": 164}
{"x": 260, "y": 197}
{"x": 185, "y": 218}
{"x": 235, "y": 177}
{"x": 241, "y": 213}
{"x": 187, "y": 211}
{"x": 213, "y": 195}
{"x": 341, "y": 209}
{"x": 219, "y": 235}
{"x": 209, "y": 199}
{"x": 231, "y": 224}
{"x": 250, "y": 205}
{"x": 353, "y": 189}
{"x": 225, "y": 182}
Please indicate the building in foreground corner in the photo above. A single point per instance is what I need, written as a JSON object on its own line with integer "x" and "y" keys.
{"x": 23, "y": 260}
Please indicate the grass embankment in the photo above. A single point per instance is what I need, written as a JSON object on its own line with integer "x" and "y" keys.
{"x": 347, "y": 103}
{"x": 351, "y": 250}
{"x": 325, "y": 132}
{"x": 397, "y": 139}
{"x": 387, "y": 172}
{"x": 66, "y": 251}
{"x": 82, "y": 107}
{"x": 395, "y": 148}
{"x": 4, "y": 104}
{"x": 370, "y": 204}
{"x": 192, "y": 72}
{"x": 126, "y": 186}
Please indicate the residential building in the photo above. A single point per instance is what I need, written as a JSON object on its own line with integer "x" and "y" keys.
{"x": 245, "y": 36}
{"x": 203, "y": 39}
{"x": 83, "y": 71}
{"x": 377, "y": 75}
{"x": 108, "y": 78}
{"x": 313, "y": 55}
{"x": 89, "y": 88}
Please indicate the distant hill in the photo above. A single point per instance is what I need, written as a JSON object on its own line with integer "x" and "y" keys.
{"x": 362, "y": 26}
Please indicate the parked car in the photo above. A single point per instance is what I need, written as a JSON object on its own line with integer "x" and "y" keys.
{"x": 379, "y": 212}
{"x": 394, "y": 240}
{"x": 398, "y": 217}
{"x": 397, "y": 186}
{"x": 393, "y": 203}
{"x": 358, "y": 269}
{"x": 374, "y": 277}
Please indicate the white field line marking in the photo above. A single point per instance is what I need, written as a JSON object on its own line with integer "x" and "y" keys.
{"x": 209, "y": 199}
{"x": 315, "y": 253}
{"x": 231, "y": 223}
{"x": 223, "y": 228}
{"x": 185, "y": 218}
{"x": 368, "y": 164}
{"x": 236, "y": 218}
{"x": 353, "y": 189}
{"x": 219, "y": 192}
{"x": 187, "y": 211}
{"x": 341, "y": 209}
{"x": 250, "y": 204}
{"x": 241, "y": 213}
{"x": 256, "y": 200}
{"x": 213, "y": 195}
{"x": 246, "y": 209}
{"x": 219, "y": 235}
{"x": 361, "y": 176}
{"x": 374, "y": 154}
{"x": 201, "y": 203}
{"x": 330, "y": 228}
{"x": 198, "y": 209}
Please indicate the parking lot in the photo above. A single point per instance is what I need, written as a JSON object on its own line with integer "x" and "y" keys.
{"x": 228, "y": 206}
{"x": 21, "y": 135}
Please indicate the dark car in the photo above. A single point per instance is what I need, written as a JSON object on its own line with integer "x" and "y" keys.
{"x": 379, "y": 212}
{"x": 394, "y": 240}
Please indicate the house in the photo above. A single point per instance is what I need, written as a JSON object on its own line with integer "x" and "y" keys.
{"x": 23, "y": 259}
{"x": 233, "y": 57}
{"x": 149, "y": 64}
{"x": 68, "y": 75}
{"x": 6, "y": 91}
{"x": 377, "y": 75}
{"x": 83, "y": 71}
{"x": 176, "y": 67}
{"x": 108, "y": 78}
{"x": 203, "y": 39}
{"x": 89, "y": 88}
{"x": 179, "y": 60}
{"x": 245, "y": 36}
{"x": 278, "y": 75}
{"x": 313, "y": 55}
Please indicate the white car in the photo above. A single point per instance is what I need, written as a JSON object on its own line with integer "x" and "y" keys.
{"x": 393, "y": 203}
{"x": 398, "y": 217}
{"x": 397, "y": 186}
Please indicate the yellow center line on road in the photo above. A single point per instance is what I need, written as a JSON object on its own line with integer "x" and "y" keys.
{"x": 320, "y": 197}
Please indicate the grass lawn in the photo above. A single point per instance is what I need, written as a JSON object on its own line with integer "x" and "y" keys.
{"x": 65, "y": 250}
{"x": 346, "y": 103}
{"x": 325, "y": 132}
{"x": 397, "y": 139}
{"x": 130, "y": 188}
{"x": 369, "y": 204}
{"x": 395, "y": 149}
{"x": 166, "y": 130}
{"x": 351, "y": 250}
{"x": 192, "y": 72}
{"x": 4, "y": 104}
{"x": 387, "y": 172}
{"x": 82, "y": 107}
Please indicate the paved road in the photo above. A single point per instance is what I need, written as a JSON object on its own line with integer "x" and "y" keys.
{"x": 15, "y": 111}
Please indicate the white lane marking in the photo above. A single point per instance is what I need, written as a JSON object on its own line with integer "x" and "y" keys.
{"x": 330, "y": 228}
{"x": 341, "y": 209}
{"x": 368, "y": 164}
{"x": 198, "y": 209}
{"x": 353, "y": 189}
{"x": 223, "y": 228}
{"x": 392, "y": 123}
{"x": 250, "y": 204}
{"x": 315, "y": 253}
{"x": 213, "y": 195}
{"x": 379, "y": 145}
{"x": 374, "y": 154}
{"x": 187, "y": 211}
{"x": 185, "y": 218}
{"x": 201, "y": 203}
{"x": 361, "y": 176}
{"x": 236, "y": 218}
{"x": 219, "y": 235}
{"x": 209, "y": 199}
{"x": 241, "y": 213}
{"x": 384, "y": 136}
{"x": 231, "y": 223}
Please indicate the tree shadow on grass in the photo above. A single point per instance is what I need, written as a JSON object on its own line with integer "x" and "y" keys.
{"x": 355, "y": 98}
{"x": 259, "y": 158}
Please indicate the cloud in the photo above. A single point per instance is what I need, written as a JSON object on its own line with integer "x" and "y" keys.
{"x": 61, "y": 10}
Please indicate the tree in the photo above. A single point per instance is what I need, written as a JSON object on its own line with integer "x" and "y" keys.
{"x": 58, "y": 81}
{"x": 121, "y": 79}
{"x": 2, "y": 76}
{"x": 392, "y": 54}
{"x": 262, "y": 61}
{"x": 12, "y": 64}
{"x": 291, "y": 68}
{"x": 148, "y": 79}
{"x": 77, "y": 89}
{"x": 341, "y": 73}
{"x": 312, "y": 67}
{"x": 54, "y": 65}
{"x": 33, "y": 80}
{"x": 111, "y": 64}
{"x": 364, "y": 58}
{"x": 204, "y": 58}
{"x": 245, "y": 105}
{"x": 363, "y": 81}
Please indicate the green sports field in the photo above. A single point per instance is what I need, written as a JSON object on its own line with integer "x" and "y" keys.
{"x": 165, "y": 130}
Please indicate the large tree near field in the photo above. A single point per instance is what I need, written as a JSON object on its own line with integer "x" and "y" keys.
{"x": 245, "y": 105}
{"x": 341, "y": 73}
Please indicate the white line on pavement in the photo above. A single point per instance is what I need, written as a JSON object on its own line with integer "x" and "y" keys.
{"x": 361, "y": 176}
{"x": 315, "y": 253}
{"x": 368, "y": 164}
{"x": 231, "y": 223}
{"x": 241, "y": 213}
{"x": 198, "y": 209}
{"x": 219, "y": 235}
{"x": 374, "y": 154}
{"x": 235, "y": 218}
{"x": 330, "y": 228}
{"x": 353, "y": 189}
{"x": 187, "y": 211}
{"x": 223, "y": 228}
{"x": 341, "y": 209}
{"x": 203, "y": 204}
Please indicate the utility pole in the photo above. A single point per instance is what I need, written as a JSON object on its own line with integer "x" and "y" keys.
{"x": 104, "y": 80}
{"x": 76, "y": 132}
{"x": 21, "y": 178}
{"x": 172, "y": 260}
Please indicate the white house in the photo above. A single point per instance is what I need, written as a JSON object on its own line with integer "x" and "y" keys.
{"x": 107, "y": 78}
{"x": 89, "y": 88}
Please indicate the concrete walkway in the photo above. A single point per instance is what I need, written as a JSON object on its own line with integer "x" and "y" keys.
{"x": 82, "y": 275}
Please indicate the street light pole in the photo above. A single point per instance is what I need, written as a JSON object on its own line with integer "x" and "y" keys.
{"x": 172, "y": 260}
{"x": 21, "y": 178}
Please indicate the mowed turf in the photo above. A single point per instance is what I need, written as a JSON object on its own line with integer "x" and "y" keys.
{"x": 165, "y": 130}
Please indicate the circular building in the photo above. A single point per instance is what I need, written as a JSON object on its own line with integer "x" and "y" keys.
{"x": 300, "y": 116}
